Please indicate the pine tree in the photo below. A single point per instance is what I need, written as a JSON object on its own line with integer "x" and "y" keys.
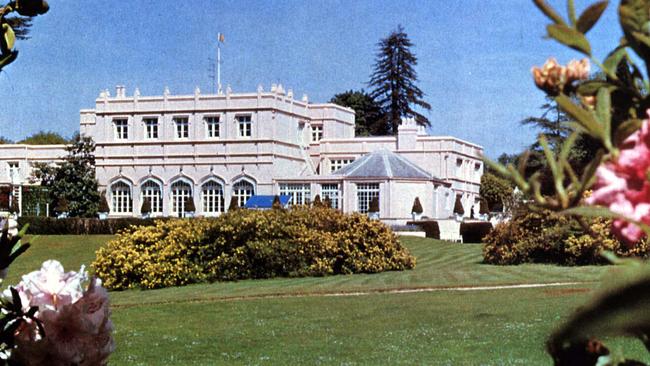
{"x": 394, "y": 82}
{"x": 367, "y": 113}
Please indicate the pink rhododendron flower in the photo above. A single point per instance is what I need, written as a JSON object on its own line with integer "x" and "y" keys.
{"x": 623, "y": 185}
{"x": 76, "y": 322}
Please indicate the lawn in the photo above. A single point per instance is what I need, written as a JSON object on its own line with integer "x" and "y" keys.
{"x": 299, "y": 321}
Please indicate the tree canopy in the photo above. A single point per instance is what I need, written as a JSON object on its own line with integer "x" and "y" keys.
{"x": 368, "y": 114}
{"x": 45, "y": 138}
{"x": 394, "y": 79}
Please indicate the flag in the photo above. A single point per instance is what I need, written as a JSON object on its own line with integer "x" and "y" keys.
{"x": 220, "y": 38}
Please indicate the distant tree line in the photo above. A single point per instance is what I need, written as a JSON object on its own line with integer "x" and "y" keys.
{"x": 40, "y": 138}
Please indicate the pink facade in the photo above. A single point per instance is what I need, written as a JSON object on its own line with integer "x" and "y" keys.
{"x": 212, "y": 148}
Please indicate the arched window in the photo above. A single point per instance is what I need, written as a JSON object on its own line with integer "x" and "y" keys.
{"x": 212, "y": 196}
{"x": 121, "y": 198}
{"x": 242, "y": 191}
{"x": 152, "y": 192}
{"x": 181, "y": 192}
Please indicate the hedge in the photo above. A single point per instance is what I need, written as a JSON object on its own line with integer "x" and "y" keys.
{"x": 80, "y": 226}
{"x": 474, "y": 232}
{"x": 430, "y": 227}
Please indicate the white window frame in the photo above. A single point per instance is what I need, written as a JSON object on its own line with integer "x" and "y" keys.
{"x": 244, "y": 125}
{"x": 336, "y": 164}
{"x": 242, "y": 190}
{"x": 181, "y": 127}
{"x": 331, "y": 191}
{"x": 151, "y": 130}
{"x": 152, "y": 191}
{"x": 316, "y": 133}
{"x": 300, "y": 192}
{"x": 181, "y": 190}
{"x": 121, "y": 128}
{"x": 365, "y": 193}
{"x": 212, "y": 197}
{"x": 212, "y": 127}
{"x": 13, "y": 167}
{"x": 121, "y": 198}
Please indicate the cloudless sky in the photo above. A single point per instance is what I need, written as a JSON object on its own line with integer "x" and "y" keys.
{"x": 474, "y": 56}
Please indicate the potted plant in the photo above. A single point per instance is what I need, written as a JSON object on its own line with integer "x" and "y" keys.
{"x": 62, "y": 208}
{"x": 327, "y": 202}
{"x": 276, "y": 205}
{"x": 145, "y": 210}
{"x": 459, "y": 211}
{"x": 190, "y": 209}
{"x": 373, "y": 208}
{"x": 317, "y": 201}
{"x": 103, "y": 209}
{"x": 234, "y": 205}
{"x": 417, "y": 210}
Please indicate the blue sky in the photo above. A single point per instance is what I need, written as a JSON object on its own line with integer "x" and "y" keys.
{"x": 474, "y": 56}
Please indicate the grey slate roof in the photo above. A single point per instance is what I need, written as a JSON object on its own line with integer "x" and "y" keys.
{"x": 383, "y": 164}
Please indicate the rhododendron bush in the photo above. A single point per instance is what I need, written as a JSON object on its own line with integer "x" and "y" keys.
{"x": 611, "y": 110}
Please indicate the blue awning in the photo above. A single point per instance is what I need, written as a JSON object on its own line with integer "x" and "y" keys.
{"x": 264, "y": 202}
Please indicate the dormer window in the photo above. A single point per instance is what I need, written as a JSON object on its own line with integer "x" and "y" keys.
{"x": 182, "y": 127}
{"x": 121, "y": 129}
{"x": 245, "y": 125}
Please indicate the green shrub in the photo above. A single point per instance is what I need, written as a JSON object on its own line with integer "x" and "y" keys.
{"x": 79, "y": 226}
{"x": 430, "y": 227}
{"x": 546, "y": 237}
{"x": 241, "y": 244}
{"x": 474, "y": 232}
{"x": 417, "y": 206}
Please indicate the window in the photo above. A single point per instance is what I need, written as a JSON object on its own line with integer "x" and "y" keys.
{"x": 150, "y": 128}
{"x": 339, "y": 163}
{"x": 121, "y": 129}
{"x": 151, "y": 191}
{"x": 181, "y": 193}
{"x": 211, "y": 127}
{"x": 121, "y": 198}
{"x": 300, "y": 193}
{"x": 242, "y": 191}
{"x": 14, "y": 169}
{"x": 245, "y": 125}
{"x": 316, "y": 133}
{"x": 182, "y": 127}
{"x": 331, "y": 191}
{"x": 212, "y": 195}
{"x": 365, "y": 193}
{"x": 459, "y": 166}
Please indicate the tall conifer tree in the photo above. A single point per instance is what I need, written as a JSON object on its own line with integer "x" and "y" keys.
{"x": 394, "y": 79}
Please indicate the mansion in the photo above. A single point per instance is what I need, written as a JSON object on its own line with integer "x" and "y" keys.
{"x": 211, "y": 148}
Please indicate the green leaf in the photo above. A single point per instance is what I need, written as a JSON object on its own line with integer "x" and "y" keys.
{"x": 625, "y": 129}
{"x": 548, "y": 11}
{"x": 614, "y": 58}
{"x": 603, "y": 112}
{"x": 581, "y": 116}
{"x": 590, "y": 16}
{"x": 569, "y": 37}
{"x": 590, "y": 87}
{"x": 571, "y": 9}
{"x": 9, "y": 36}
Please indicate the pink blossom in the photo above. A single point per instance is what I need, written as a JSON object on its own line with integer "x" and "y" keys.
{"x": 77, "y": 322}
{"x": 623, "y": 186}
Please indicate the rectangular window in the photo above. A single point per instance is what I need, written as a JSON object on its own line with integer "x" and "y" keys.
{"x": 339, "y": 163}
{"x": 299, "y": 192}
{"x": 330, "y": 191}
{"x": 121, "y": 128}
{"x": 14, "y": 169}
{"x": 316, "y": 133}
{"x": 211, "y": 127}
{"x": 150, "y": 128}
{"x": 182, "y": 127}
{"x": 245, "y": 126}
{"x": 365, "y": 193}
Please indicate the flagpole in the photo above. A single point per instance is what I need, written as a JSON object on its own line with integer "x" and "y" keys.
{"x": 218, "y": 67}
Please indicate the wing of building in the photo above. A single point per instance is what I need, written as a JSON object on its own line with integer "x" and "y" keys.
{"x": 216, "y": 148}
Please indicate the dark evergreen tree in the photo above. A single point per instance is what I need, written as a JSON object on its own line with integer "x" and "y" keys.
{"x": 394, "y": 79}
{"x": 368, "y": 115}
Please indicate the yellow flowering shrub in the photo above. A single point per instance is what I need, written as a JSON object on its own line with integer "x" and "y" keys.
{"x": 241, "y": 244}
